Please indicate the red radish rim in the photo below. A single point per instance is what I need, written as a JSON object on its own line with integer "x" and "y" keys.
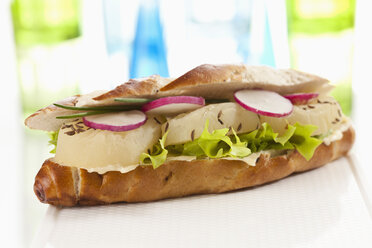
{"x": 301, "y": 96}
{"x": 262, "y": 112}
{"x": 107, "y": 127}
{"x": 172, "y": 99}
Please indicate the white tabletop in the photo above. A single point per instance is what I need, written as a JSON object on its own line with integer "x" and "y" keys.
{"x": 320, "y": 208}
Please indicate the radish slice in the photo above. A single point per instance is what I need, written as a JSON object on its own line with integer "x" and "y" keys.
{"x": 118, "y": 121}
{"x": 301, "y": 98}
{"x": 264, "y": 102}
{"x": 173, "y": 105}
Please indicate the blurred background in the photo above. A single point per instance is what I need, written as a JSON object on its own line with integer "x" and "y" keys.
{"x": 53, "y": 49}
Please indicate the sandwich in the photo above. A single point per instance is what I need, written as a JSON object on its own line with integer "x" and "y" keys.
{"x": 217, "y": 128}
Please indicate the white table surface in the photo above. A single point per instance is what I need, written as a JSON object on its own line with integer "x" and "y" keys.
{"x": 321, "y": 208}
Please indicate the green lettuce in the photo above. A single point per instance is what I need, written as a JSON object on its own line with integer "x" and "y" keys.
{"x": 53, "y": 138}
{"x": 213, "y": 145}
{"x": 158, "y": 154}
{"x": 218, "y": 144}
{"x": 302, "y": 140}
{"x": 266, "y": 139}
{"x": 295, "y": 137}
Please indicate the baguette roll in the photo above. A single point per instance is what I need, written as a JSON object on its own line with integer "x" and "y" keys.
{"x": 94, "y": 167}
{"x": 69, "y": 186}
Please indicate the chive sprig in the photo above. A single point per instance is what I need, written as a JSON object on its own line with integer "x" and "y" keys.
{"x": 134, "y": 104}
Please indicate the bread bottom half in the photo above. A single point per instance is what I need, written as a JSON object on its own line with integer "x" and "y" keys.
{"x": 68, "y": 186}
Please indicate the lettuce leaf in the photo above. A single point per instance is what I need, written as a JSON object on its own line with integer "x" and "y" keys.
{"x": 213, "y": 145}
{"x": 53, "y": 136}
{"x": 303, "y": 142}
{"x": 265, "y": 138}
{"x": 218, "y": 144}
{"x": 158, "y": 155}
{"x": 239, "y": 148}
{"x": 295, "y": 137}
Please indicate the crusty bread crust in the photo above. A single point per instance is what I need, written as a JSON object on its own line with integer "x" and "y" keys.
{"x": 221, "y": 81}
{"x": 208, "y": 81}
{"x": 67, "y": 186}
{"x": 45, "y": 118}
{"x": 136, "y": 87}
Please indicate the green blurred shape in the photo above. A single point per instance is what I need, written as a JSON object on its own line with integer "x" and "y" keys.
{"x": 45, "y": 21}
{"x": 320, "y": 16}
{"x": 47, "y": 53}
{"x": 343, "y": 93}
{"x": 314, "y": 23}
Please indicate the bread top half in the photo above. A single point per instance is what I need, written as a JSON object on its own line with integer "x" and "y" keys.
{"x": 208, "y": 81}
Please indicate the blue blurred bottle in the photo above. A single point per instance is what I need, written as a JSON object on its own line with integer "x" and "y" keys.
{"x": 253, "y": 33}
{"x": 149, "y": 54}
{"x": 267, "y": 57}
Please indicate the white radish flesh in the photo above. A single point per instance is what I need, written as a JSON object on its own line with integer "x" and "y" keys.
{"x": 173, "y": 105}
{"x": 264, "y": 102}
{"x": 301, "y": 98}
{"x": 117, "y": 121}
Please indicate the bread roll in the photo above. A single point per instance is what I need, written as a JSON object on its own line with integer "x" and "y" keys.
{"x": 67, "y": 186}
{"x": 60, "y": 183}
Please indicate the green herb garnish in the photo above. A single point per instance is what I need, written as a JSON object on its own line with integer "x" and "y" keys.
{"x": 98, "y": 108}
{"x": 133, "y": 100}
{"x": 116, "y": 108}
{"x": 213, "y": 101}
{"x": 78, "y": 115}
